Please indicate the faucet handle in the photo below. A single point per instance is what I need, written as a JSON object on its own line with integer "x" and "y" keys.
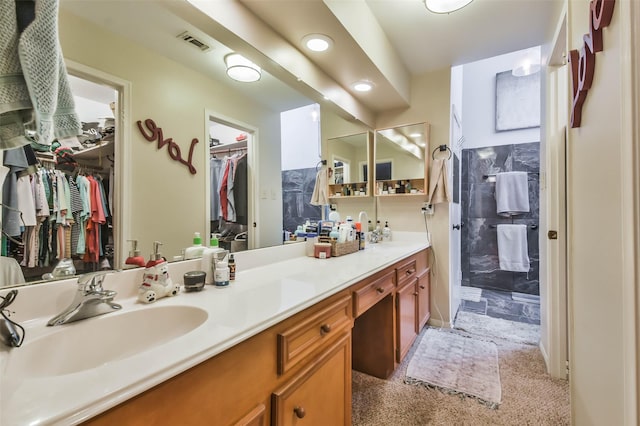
{"x": 91, "y": 282}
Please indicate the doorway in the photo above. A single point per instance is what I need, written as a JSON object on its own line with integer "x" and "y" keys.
{"x": 229, "y": 193}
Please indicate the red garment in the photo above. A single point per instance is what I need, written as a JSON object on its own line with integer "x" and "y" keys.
{"x": 223, "y": 191}
{"x": 92, "y": 236}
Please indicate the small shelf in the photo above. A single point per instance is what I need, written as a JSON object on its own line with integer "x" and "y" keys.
{"x": 418, "y": 185}
{"x": 338, "y": 188}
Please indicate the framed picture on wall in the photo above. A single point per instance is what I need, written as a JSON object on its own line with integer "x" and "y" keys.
{"x": 517, "y": 101}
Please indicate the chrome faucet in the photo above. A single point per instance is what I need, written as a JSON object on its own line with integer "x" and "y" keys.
{"x": 90, "y": 300}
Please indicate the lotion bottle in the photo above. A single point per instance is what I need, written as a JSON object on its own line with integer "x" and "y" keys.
{"x": 208, "y": 258}
{"x": 195, "y": 251}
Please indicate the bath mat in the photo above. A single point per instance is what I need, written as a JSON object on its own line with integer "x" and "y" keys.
{"x": 470, "y": 293}
{"x": 457, "y": 364}
{"x": 483, "y": 325}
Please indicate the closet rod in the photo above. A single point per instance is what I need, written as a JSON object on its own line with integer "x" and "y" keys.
{"x": 228, "y": 150}
{"x": 80, "y": 165}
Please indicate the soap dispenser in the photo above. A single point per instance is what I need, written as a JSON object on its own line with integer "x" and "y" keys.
{"x": 208, "y": 258}
{"x": 134, "y": 259}
{"x": 195, "y": 251}
{"x": 156, "y": 282}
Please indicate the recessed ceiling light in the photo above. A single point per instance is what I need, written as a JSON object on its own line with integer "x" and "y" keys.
{"x": 415, "y": 135}
{"x": 445, "y": 6}
{"x": 317, "y": 42}
{"x": 362, "y": 86}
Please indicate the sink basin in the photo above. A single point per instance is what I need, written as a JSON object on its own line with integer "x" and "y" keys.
{"x": 90, "y": 343}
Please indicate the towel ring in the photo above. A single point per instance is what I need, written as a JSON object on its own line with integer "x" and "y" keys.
{"x": 320, "y": 164}
{"x": 441, "y": 148}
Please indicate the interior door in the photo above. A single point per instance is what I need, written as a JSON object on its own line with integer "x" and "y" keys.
{"x": 455, "y": 232}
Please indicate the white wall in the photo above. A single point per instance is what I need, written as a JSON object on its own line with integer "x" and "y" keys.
{"x": 603, "y": 312}
{"x": 478, "y": 103}
{"x": 300, "y": 137}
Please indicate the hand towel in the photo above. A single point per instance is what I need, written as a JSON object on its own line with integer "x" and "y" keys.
{"x": 512, "y": 193}
{"x": 46, "y": 76}
{"x": 319, "y": 196}
{"x": 439, "y": 191}
{"x": 513, "y": 250}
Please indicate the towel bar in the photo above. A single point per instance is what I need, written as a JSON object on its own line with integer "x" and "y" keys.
{"x": 529, "y": 226}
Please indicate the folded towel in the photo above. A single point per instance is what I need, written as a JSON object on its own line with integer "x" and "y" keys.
{"x": 513, "y": 248}
{"x": 319, "y": 196}
{"x": 512, "y": 193}
{"x": 439, "y": 191}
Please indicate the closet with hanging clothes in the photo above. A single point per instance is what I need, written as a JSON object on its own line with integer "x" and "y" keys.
{"x": 57, "y": 200}
{"x": 229, "y": 186}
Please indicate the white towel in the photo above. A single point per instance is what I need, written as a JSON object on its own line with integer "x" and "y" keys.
{"x": 513, "y": 250}
{"x": 512, "y": 193}
{"x": 319, "y": 196}
{"x": 439, "y": 191}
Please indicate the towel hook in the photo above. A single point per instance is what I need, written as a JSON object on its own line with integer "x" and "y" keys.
{"x": 441, "y": 148}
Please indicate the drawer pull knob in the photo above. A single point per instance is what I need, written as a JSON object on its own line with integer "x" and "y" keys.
{"x": 409, "y": 272}
{"x": 380, "y": 290}
{"x": 416, "y": 293}
{"x": 325, "y": 328}
{"x": 422, "y": 287}
{"x": 300, "y": 413}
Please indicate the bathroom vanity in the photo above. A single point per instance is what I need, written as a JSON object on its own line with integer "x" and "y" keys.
{"x": 276, "y": 346}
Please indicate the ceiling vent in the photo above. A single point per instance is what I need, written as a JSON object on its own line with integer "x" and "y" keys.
{"x": 186, "y": 36}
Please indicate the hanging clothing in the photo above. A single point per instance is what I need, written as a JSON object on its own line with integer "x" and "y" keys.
{"x": 240, "y": 191}
{"x": 215, "y": 181}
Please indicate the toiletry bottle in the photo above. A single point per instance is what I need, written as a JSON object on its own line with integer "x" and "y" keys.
{"x": 208, "y": 255}
{"x": 312, "y": 239}
{"x": 334, "y": 234}
{"x": 134, "y": 259}
{"x": 221, "y": 274}
{"x": 232, "y": 268}
{"x": 195, "y": 251}
{"x": 386, "y": 232}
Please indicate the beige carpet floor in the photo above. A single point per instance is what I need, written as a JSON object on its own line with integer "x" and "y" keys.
{"x": 529, "y": 396}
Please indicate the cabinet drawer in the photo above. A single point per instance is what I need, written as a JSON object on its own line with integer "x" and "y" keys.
{"x": 372, "y": 293}
{"x": 308, "y": 337}
{"x": 407, "y": 271}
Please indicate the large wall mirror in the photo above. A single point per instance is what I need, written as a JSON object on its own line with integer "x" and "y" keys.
{"x": 348, "y": 158}
{"x": 401, "y": 160}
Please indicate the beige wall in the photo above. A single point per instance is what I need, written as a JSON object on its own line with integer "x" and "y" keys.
{"x": 600, "y": 373}
{"x": 168, "y": 202}
{"x": 430, "y": 100}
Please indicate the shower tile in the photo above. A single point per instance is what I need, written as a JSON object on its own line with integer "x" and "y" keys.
{"x": 488, "y": 161}
{"x": 482, "y": 200}
{"x": 531, "y": 311}
{"x": 526, "y": 157}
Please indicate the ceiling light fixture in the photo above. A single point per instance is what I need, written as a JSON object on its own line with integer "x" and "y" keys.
{"x": 362, "y": 86}
{"x": 445, "y": 6}
{"x": 525, "y": 68}
{"x": 241, "y": 69}
{"x": 317, "y": 42}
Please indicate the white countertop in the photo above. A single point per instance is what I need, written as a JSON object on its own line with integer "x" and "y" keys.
{"x": 260, "y": 297}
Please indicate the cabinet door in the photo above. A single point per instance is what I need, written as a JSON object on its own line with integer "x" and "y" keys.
{"x": 406, "y": 315}
{"x": 321, "y": 393}
{"x": 424, "y": 299}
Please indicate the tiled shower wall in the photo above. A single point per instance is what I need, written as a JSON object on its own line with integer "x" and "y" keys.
{"x": 480, "y": 266}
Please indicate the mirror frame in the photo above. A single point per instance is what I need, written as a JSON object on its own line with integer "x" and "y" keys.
{"x": 333, "y": 187}
{"x": 420, "y": 184}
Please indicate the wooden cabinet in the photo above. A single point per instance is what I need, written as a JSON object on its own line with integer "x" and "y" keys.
{"x": 317, "y": 395}
{"x": 312, "y": 349}
{"x": 373, "y": 291}
{"x": 424, "y": 298}
{"x": 307, "y": 339}
{"x": 255, "y": 417}
{"x": 406, "y": 317}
